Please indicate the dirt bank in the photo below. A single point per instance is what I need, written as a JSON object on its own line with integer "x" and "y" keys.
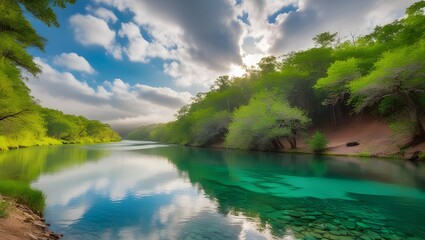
{"x": 22, "y": 223}
{"x": 373, "y": 135}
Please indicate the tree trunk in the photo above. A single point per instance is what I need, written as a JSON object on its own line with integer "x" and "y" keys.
{"x": 333, "y": 114}
{"x": 279, "y": 143}
{"x": 293, "y": 145}
{"x": 274, "y": 145}
{"x": 414, "y": 116}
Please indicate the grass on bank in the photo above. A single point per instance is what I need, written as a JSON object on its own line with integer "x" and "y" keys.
{"x": 3, "y": 209}
{"x": 24, "y": 194}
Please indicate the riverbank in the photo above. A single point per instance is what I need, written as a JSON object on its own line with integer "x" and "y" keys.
{"x": 5, "y": 145}
{"x": 21, "y": 222}
{"x": 374, "y": 138}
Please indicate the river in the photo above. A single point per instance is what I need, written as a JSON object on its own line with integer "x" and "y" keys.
{"x": 145, "y": 190}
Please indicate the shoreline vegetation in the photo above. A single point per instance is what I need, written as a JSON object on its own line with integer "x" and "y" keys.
{"x": 280, "y": 103}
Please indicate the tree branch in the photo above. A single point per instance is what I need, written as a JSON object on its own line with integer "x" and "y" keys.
{"x": 13, "y": 114}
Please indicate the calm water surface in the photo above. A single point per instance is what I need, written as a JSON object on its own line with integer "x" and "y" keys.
{"x": 143, "y": 190}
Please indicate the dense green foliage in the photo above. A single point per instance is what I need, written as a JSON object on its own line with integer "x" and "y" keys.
{"x": 17, "y": 33}
{"x": 76, "y": 129}
{"x": 318, "y": 142}
{"x": 23, "y": 122}
{"x": 380, "y": 73}
{"x": 264, "y": 122}
{"x": 23, "y": 193}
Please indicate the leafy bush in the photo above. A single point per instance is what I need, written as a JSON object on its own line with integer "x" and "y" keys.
{"x": 318, "y": 142}
{"x": 266, "y": 120}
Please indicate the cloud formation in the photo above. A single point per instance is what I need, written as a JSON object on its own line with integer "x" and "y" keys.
{"x": 90, "y": 30}
{"x": 296, "y": 30}
{"x": 105, "y": 14}
{"x": 198, "y": 40}
{"x": 73, "y": 61}
{"x": 122, "y": 105}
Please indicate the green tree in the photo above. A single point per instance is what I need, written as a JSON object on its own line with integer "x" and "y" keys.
{"x": 326, "y": 39}
{"x": 20, "y": 120}
{"x": 312, "y": 64}
{"x": 17, "y": 33}
{"x": 209, "y": 126}
{"x": 399, "y": 73}
{"x": 266, "y": 120}
{"x": 406, "y": 31}
{"x": 268, "y": 65}
{"x": 335, "y": 84}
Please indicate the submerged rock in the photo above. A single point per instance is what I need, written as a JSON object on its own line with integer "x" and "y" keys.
{"x": 363, "y": 225}
{"x": 349, "y": 225}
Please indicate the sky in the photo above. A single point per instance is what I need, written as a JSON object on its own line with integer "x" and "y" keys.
{"x": 130, "y": 63}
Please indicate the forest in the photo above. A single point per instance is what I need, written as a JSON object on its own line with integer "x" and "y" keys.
{"x": 23, "y": 122}
{"x": 381, "y": 73}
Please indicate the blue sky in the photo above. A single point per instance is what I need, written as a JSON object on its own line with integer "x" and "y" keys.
{"x": 62, "y": 40}
{"x": 136, "y": 62}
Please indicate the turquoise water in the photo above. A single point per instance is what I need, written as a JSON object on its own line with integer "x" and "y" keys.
{"x": 144, "y": 190}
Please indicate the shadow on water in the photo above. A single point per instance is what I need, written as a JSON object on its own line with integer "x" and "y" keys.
{"x": 309, "y": 196}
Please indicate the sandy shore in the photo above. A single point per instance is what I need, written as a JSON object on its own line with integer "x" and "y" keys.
{"x": 22, "y": 223}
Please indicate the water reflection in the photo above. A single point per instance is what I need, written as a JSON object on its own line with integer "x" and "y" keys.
{"x": 143, "y": 190}
{"x": 134, "y": 196}
{"x": 29, "y": 163}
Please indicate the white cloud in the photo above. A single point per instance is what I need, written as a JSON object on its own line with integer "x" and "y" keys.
{"x": 139, "y": 49}
{"x": 105, "y": 14}
{"x": 294, "y": 30}
{"x": 201, "y": 37}
{"x": 122, "y": 105}
{"x": 73, "y": 61}
{"x": 90, "y": 30}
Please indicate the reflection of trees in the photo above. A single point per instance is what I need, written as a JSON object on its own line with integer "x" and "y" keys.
{"x": 27, "y": 164}
{"x": 237, "y": 182}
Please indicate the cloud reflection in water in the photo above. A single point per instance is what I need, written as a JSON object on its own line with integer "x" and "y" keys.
{"x": 128, "y": 195}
